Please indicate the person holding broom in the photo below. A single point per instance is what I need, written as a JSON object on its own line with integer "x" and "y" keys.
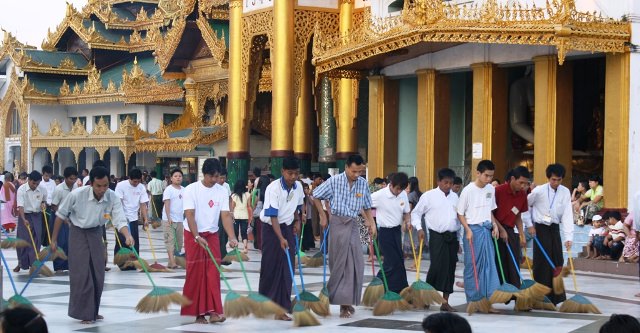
{"x": 551, "y": 203}
{"x": 31, "y": 202}
{"x": 205, "y": 203}
{"x": 173, "y": 216}
{"x": 63, "y": 189}
{"x": 134, "y": 201}
{"x": 88, "y": 209}
{"x": 283, "y": 201}
{"x": 348, "y": 194}
{"x": 438, "y": 206}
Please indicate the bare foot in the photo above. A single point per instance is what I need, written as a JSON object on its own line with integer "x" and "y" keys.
{"x": 17, "y": 269}
{"x": 447, "y": 308}
{"x": 460, "y": 284}
{"x": 216, "y": 318}
{"x": 86, "y": 322}
{"x": 637, "y": 295}
{"x": 494, "y": 310}
{"x": 344, "y": 312}
{"x": 201, "y": 320}
{"x": 351, "y": 309}
{"x": 283, "y": 317}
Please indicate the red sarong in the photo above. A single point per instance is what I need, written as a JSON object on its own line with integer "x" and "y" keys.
{"x": 202, "y": 284}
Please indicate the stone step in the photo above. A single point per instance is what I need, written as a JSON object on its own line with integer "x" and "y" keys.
{"x": 606, "y": 266}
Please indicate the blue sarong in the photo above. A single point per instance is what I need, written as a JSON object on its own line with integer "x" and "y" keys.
{"x": 485, "y": 262}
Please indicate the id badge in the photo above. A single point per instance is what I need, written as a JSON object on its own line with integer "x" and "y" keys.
{"x": 515, "y": 210}
{"x": 546, "y": 218}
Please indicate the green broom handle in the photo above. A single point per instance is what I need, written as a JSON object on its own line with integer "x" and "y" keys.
{"x": 495, "y": 241}
{"x": 218, "y": 267}
{"x": 299, "y": 262}
{"x": 246, "y": 279}
{"x": 143, "y": 265}
{"x": 384, "y": 276}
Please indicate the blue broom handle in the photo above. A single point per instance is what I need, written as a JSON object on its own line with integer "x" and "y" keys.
{"x": 544, "y": 252}
{"x": 13, "y": 284}
{"x": 293, "y": 278}
{"x": 35, "y": 273}
{"x": 324, "y": 256}
{"x": 299, "y": 263}
{"x": 515, "y": 262}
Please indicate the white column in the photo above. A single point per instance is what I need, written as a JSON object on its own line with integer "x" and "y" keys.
{"x": 117, "y": 164}
{"x": 634, "y": 106}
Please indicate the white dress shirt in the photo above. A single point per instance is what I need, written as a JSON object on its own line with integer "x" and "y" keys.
{"x": 31, "y": 200}
{"x": 281, "y": 202}
{"x": 50, "y": 187}
{"x": 61, "y": 191}
{"x": 439, "y": 211}
{"x": 551, "y": 206}
{"x": 476, "y": 203}
{"x": 389, "y": 207}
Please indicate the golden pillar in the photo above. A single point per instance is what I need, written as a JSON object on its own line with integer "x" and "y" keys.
{"x": 432, "y": 140}
{"x": 347, "y": 138}
{"x": 238, "y": 129}
{"x": 553, "y": 132}
{"x": 616, "y": 129}
{"x": 383, "y": 126}
{"x": 489, "y": 132}
{"x": 302, "y": 125}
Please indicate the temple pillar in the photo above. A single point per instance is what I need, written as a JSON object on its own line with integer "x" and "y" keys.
{"x": 383, "y": 127}
{"x": 616, "y": 130}
{"x": 432, "y": 140}
{"x": 347, "y": 138}
{"x": 282, "y": 73}
{"x": 490, "y": 118}
{"x": 327, "y": 125}
{"x": 237, "y": 124}
{"x": 553, "y": 132}
{"x": 302, "y": 125}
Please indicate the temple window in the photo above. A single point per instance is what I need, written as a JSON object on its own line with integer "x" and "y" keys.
{"x": 13, "y": 125}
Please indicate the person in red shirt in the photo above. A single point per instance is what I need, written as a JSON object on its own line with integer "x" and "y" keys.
{"x": 511, "y": 199}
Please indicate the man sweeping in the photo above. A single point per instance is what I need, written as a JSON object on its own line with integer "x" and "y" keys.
{"x": 31, "y": 201}
{"x": 155, "y": 188}
{"x": 438, "y": 206}
{"x": 61, "y": 191}
{"x": 205, "y": 202}
{"x": 88, "y": 209}
{"x": 347, "y": 193}
{"x": 392, "y": 216}
{"x": 282, "y": 202}
{"x": 551, "y": 203}
{"x": 511, "y": 199}
{"x": 134, "y": 201}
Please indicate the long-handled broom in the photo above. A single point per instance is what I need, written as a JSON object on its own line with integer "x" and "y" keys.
{"x": 155, "y": 224}
{"x": 17, "y": 300}
{"x": 420, "y": 294}
{"x": 506, "y": 291}
{"x": 577, "y": 303}
{"x": 529, "y": 289}
{"x": 44, "y": 270}
{"x": 59, "y": 254}
{"x": 324, "y": 293}
{"x": 235, "y": 306}
{"x": 317, "y": 259}
{"x": 177, "y": 256}
{"x": 301, "y": 316}
{"x": 477, "y": 302}
{"x": 390, "y": 301}
{"x": 123, "y": 255}
{"x": 558, "y": 283}
{"x": 10, "y": 242}
{"x": 375, "y": 289}
{"x": 307, "y": 299}
{"x": 261, "y": 306}
{"x": 233, "y": 255}
{"x": 157, "y": 266}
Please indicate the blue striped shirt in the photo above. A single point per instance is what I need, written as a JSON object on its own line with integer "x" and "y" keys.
{"x": 344, "y": 201}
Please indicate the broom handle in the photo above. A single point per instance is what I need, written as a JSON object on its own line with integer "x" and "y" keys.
{"x": 384, "y": 276}
{"x": 419, "y": 263}
{"x": 13, "y": 284}
{"x": 117, "y": 238}
{"x": 33, "y": 242}
{"x": 246, "y": 279}
{"x": 324, "y": 257}
{"x": 218, "y": 267}
{"x": 413, "y": 247}
{"x": 144, "y": 267}
{"x": 526, "y": 259}
{"x": 35, "y": 272}
{"x": 473, "y": 262}
{"x": 293, "y": 278}
{"x": 373, "y": 266}
{"x": 495, "y": 241}
{"x": 153, "y": 251}
{"x": 515, "y": 262}
{"x": 573, "y": 272}
{"x": 299, "y": 263}
{"x": 155, "y": 209}
{"x": 544, "y": 252}
{"x": 46, "y": 224}
{"x": 301, "y": 236}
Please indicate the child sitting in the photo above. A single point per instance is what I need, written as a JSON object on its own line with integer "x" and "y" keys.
{"x": 597, "y": 231}
{"x": 615, "y": 239}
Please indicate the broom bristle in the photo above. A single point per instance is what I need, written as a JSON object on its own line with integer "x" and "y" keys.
{"x": 545, "y": 304}
{"x": 500, "y": 296}
{"x": 44, "y": 271}
{"x": 538, "y": 290}
{"x": 314, "y": 262}
{"x": 122, "y": 256}
{"x": 389, "y": 303}
{"x": 302, "y": 317}
{"x": 578, "y": 304}
{"x": 263, "y": 307}
{"x": 233, "y": 256}
{"x": 236, "y": 306}
{"x": 407, "y": 294}
{"x": 373, "y": 292}
{"x": 10, "y": 242}
{"x": 324, "y": 300}
{"x": 429, "y": 297}
{"x": 481, "y": 305}
{"x": 181, "y": 261}
{"x": 159, "y": 300}
{"x": 522, "y": 304}
{"x": 156, "y": 224}
{"x": 558, "y": 285}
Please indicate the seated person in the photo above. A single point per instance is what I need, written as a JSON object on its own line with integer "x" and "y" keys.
{"x": 615, "y": 238}
{"x": 577, "y": 193}
{"x": 630, "y": 251}
{"x": 597, "y": 230}
{"x": 593, "y": 200}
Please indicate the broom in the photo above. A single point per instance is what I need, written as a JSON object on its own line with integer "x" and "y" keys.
{"x": 177, "y": 256}
{"x": 155, "y": 224}
{"x": 45, "y": 251}
{"x": 529, "y": 289}
{"x": 307, "y": 299}
{"x": 420, "y": 293}
{"x": 558, "y": 283}
{"x": 375, "y": 289}
{"x": 324, "y": 293}
{"x": 10, "y": 242}
{"x": 261, "y": 306}
{"x": 390, "y": 301}
{"x": 506, "y": 291}
{"x": 233, "y": 256}
{"x": 301, "y": 316}
{"x": 236, "y": 306}
{"x": 544, "y": 304}
{"x": 159, "y": 298}
{"x": 477, "y": 303}
{"x": 44, "y": 270}
{"x": 124, "y": 255}
{"x": 577, "y": 303}
{"x": 16, "y": 300}
{"x": 317, "y": 259}
{"x": 156, "y": 266}
{"x": 301, "y": 256}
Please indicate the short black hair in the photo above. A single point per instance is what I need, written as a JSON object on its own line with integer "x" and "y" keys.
{"x": 445, "y": 322}
{"x": 447, "y": 173}
{"x": 223, "y": 171}
{"x": 620, "y": 323}
{"x": 457, "y": 181}
{"x": 211, "y": 166}
{"x": 154, "y": 174}
{"x": 354, "y": 159}
{"x": 520, "y": 171}
{"x": 70, "y": 171}
{"x": 257, "y": 171}
{"x": 98, "y": 173}
{"x": 596, "y": 178}
{"x": 23, "y": 175}
{"x": 378, "y": 181}
{"x": 176, "y": 170}
{"x": 399, "y": 179}
{"x": 47, "y": 169}
{"x": 290, "y": 163}
{"x": 100, "y": 163}
{"x": 35, "y": 176}
{"x": 135, "y": 174}
{"x": 316, "y": 176}
{"x": 612, "y": 213}
{"x": 22, "y": 319}
{"x": 555, "y": 169}
{"x": 485, "y": 165}
{"x": 85, "y": 170}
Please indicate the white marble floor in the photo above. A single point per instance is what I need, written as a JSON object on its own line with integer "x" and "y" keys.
{"x": 612, "y": 294}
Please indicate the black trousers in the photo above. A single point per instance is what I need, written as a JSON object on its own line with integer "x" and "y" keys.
{"x": 133, "y": 229}
{"x": 390, "y": 240}
{"x": 549, "y": 237}
{"x": 510, "y": 269}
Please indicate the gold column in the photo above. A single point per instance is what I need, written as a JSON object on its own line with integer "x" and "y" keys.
{"x": 282, "y": 65}
{"x": 553, "y": 132}
{"x": 347, "y": 137}
{"x": 302, "y": 125}
{"x": 490, "y": 118}
{"x": 383, "y": 126}
{"x": 432, "y": 140}
{"x": 616, "y": 129}
{"x": 236, "y": 117}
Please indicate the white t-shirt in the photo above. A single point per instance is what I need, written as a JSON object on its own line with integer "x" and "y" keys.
{"x": 50, "y": 187}
{"x": 207, "y": 202}
{"x": 438, "y": 209}
{"x": 281, "y": 203}
{"x": 389, "y": 208}
{"x": 476, "y": 203}
{"x": 131, "y": 198}
{"x": 85, "y": 180}
{"x": 175, "y": 204}
{"x": 596, "y": 231}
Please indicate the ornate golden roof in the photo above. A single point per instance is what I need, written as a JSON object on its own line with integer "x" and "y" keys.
{"x": 557, "y": 24}
{"x": 142, "y": 21}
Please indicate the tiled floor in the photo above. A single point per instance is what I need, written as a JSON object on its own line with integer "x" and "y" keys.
{"x": 612, "y": 294}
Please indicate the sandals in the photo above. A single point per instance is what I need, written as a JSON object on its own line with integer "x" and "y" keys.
{"x": 201, "y": 320}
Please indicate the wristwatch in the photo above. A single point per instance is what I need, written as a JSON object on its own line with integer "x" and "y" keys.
{"x": 196, "y": 238}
